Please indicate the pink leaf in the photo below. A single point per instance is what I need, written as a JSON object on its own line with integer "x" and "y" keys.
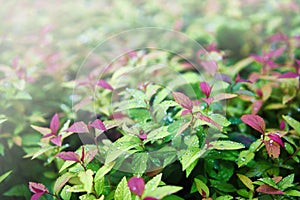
{"x": 279, "y": 37}
{"x": 104, "y": 84}
{"x": 185, "y": 112}
{"x": 57, "y": 140}
{"x": 282, "y": 125}
{"x": 276, "y": 138}
{"x": 98, "y": 124}
{"x": 208, "y": 101}
{"x": 38, "y": 187}
{"x": 143, "y": 136}
{"x": 238, "y": 79}
{"x": 183, "y": 100}
{"x": 90, "y": 155}
{"x": 136, "y": 185}
{"x": 71, "y": 156}
{"x": 256, "y": 106}
{"x": 258, "y": 58}
{"x": 78, "y": 127}
{"x": 255, "y": 122}
{"x": 298, "y": 62}
{"x": 36, "y": 196}
{"x": 54, "y": 124}
{"x": 266, "y": 189}
{"x": 276, "y": 53}
{"x": 207, "y": 119}
{"x": 150, "y": 198}
{"x": 48, "y": 135}
{"x": 205, "y": 88}
{"x": 210, "y": 66}
{"x": 289, "y": 75}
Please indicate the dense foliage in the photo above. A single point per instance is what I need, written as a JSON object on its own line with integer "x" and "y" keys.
{"x": 148, "y": 113}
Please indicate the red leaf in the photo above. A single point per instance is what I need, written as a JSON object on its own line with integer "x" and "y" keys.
{"x": 54, "y": 124}
{"x": 256, "y": 106}
{"x": 136, "y": 185}
{"x": 143, "y": 136}
{"x": 105, "y": 85}
{"x": 266, "y": 189}
{"x": 205, "y": 88}
{"x": 276, "y": 138}
{"x": 183, "y": 100}
{"x": 36, "y": 196}
{"x": 289, "y": 75}
{"x": 38, "y": 187}
{"x": 255, "y": 122}
{"x": 57, "y": 140}
{"x": 78, "y": 127}
{"x": 71, "y": 156}
{"x": 273, "y": 148}
{"x": 82, "y": 153}
{"x": 98, "y": 124}
{"x": 207, "y": 119}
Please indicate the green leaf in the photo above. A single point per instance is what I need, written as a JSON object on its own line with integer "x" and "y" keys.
{"x": 222, "y": 186}
{"x": 18, "y": 191}
{"x": 5, "y": 175}
{"x": 2, "y": 149}
{"x": 220, "y": 119}
{"x": 226, "y": 145}
{"x": 202, "y": 187}
{"x": 87, "y": 197}
{"x": 294, "y": 193}
{"x": 292, "y": 122}
{"x": 162, "y": 94}
{"x": 99, "y": 186}
{"x": 172, "y": 197}
{"x": 189, "y": 156}
{"x": 76, "y": 189}
{"x": 286, "y": 182}
{"x": 65, "y": 194}
{"x": 122, "y": 192}
{"x": 225, "y": 197}
{"x": 103, "y": 171}
{"x": 121, "y": 146}
{"x": 246, "y": 181}
{"x": 139, "y": 162}
{"x": 61, "y": 181}
{"x": 157, "y": 134}
{"x": 245, "y": 157}
{"x": 86, "y": 178}
{"x": 269, "y": 181}
{"x": 152, "y": 185}
{"x": 163, "y": 191}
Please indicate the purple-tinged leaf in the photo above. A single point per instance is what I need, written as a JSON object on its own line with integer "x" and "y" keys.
{"x": 255, "y": 122}
{"x": 276, "y": 53}
{"x": 196, "y": 102}
{"x": 212, "y": 47}
{"x": 183, "y": 100}
{"x": 136, "y": 185}
{"x": 48, "y": 135}
{"x": 150, "y": 198}
{"x": 69, "y": 155}
{"x": 78, "y": 127}
{"x": 205, "y": 88}
{"x": 36, "y": 196}
{"x": 238, "y": 79}
{"x": 57, "y": 140}
{"x": 207, "y": 119}
{"x": 259, "y": 93}
{"x": 54, "y": 124}
{"x": 289, "y": 75}
{"x": 208, "y": 101}
{"x": 90, "y": 155}
{"x": 98, "y": 124}
{"x": 266, "y": 189}
{"x": 38, "y": 187}
{"x": 185, "y": 112}
{"x": 223, "y": 77}
{"x": 105, "y": 85}
{"x": 298, "y": 62}
{"x": 257, "y": 58}
{"x": 223, "y": 96}
{"x": 143, "y": 136}
{"x": 256, "y": 106}
{"x": 282, "y": 125}
{"x": 210, "y": 66}
{"x": 15, "y": 62}
{"x": 276, "y": 138}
